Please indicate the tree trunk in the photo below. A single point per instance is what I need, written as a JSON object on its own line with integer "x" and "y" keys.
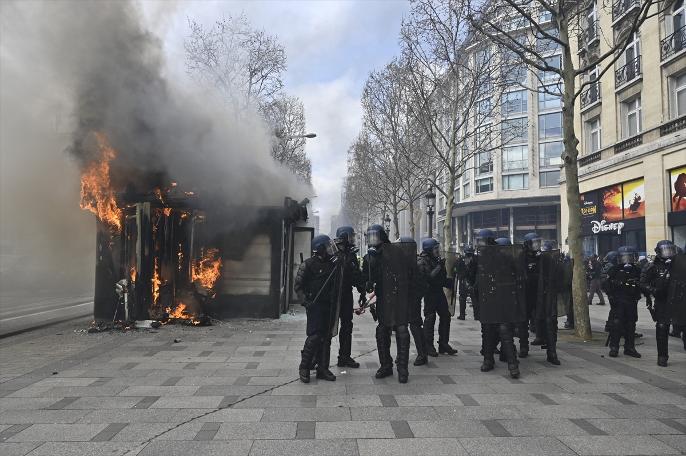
{"x": 394, "y": 208}
{"x": 448, "y": 225}
{"x": 582, "y": 321}
{"x": 410, "y": 208}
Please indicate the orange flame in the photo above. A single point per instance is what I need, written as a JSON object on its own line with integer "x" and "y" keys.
{"x": 156, "y": 281}
{"x": 207, "y": 270}
{"x": 179, "y": 313}
{"x": 132, "y": 274}
{"x": 97, "y": 194}
{"x": 167, "y": 211}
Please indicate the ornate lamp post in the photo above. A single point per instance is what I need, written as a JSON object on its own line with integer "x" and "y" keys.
{"x": 430, "y": 201}
{"x": 387, "y": 223}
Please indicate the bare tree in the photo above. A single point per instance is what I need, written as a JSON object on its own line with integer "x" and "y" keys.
{"x": 243, "y": 63}
{"x": 534, "y": 32}
{"x": 286, "y": 118}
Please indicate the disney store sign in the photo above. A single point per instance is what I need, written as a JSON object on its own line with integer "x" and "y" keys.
{"x": 603, "y": 226}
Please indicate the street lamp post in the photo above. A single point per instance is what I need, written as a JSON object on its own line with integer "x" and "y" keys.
{"x": 430, "y": 201}
{"x": 387, "y": 223}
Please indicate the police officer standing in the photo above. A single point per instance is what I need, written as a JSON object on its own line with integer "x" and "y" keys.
{"x": 316, "y": 283}
{"x": 432, "y": 270}
{"x": 352, "y": 277}
{"x": 623, "y": 278}
{"x": 655, "y": 281}
{"x": 532, "y": 246}
{"x": 416, "y": 322}
{"x": 387, "y": 269}
{"x": 462, "y": 271}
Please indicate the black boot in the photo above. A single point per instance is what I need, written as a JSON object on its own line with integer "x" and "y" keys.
{"x": 507, "y": 347}
{"x": 523, "y": 340}
{"x": 323, "y": 372}
{"x": 444, "y": 336}
{"x": 463, "y": 307}
{"x": 551, "y": 341}
{"x": 345, "y": 339}
{"x": 615, "y": 335}
{"x": 420, "y": 344}
{"x": 383, "y": 346}
{"x": 662, "y": 339}
{"x": 429, "y": 323}
{"x": 308, "y": 353}
{"x": 488, "y": 341}
{"x": 629, "y": 340}
{"x": 402, "y": 342}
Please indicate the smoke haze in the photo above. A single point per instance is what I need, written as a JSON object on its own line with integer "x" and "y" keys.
{"x": 70, "y": 69}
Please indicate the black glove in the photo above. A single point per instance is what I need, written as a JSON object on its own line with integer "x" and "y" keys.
{"x": 369, "y": 286}
{"x": 363, "y": 300}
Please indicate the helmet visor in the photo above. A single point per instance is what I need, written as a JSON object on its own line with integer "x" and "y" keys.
{"x": 666, "y": 251}
{"x": 436, "y": 251}
{"x": 373, "y": 238}
{"x": 331, "y": 248}
{"x": 627, "y": 258}
{"x": 536, "y": 244}
{"x": 350, "y": 238}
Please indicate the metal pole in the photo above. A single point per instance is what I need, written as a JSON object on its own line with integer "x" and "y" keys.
{"x": 431, "y": 225}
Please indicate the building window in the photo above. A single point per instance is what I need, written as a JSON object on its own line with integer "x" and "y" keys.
{"x": 550, "y": 154}
{"x": 484, "y": 163}
{"x": 514, "y": 131}
{"x": 548, "y": 99}
{"x": 549, "y": 178}
{"x": 515, "y": 158}
{"x": 678, "y": 16}
{"x": 554, "y": 61}
{"x": 514, "y": 103}
{"x": 593, "y": 135}
{"x": 456, "y": 195}
{"x": 631, "y": 117}
{"x": 483, "y": 110}
{"x": 550, "y": 125}
{"x": 465, "y": 190}
{"x": 516, "y": 182}
{"x": 679, "y": 97}
{"x": 484, "y": 185}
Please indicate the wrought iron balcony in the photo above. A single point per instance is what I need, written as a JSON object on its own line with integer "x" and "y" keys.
{"x": 591, "y": 95}
{"x": 629, "y": 143}
{"x": 590, "y": 158}
{"x": 628, "y": 72}
{"x": 673, "y": 43}
{"x": 673, "y": 125}
{"x": 621, "y": 7}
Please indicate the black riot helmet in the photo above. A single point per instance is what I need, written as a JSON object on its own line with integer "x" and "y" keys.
{"x": 347, "y": 235}
{"x": 376, "y": 235}
{"x": 432, "y": 246}
{"x": 666, "y": 250}
{"x": 610, "y": 257}
{"x": 532, "y": 241}
{"x": 323, "y": 247}
{"x": 627, "y": 255}
{"x": 503, "y": 241}
{"x": 468, "y": 250}
{"x": 485, "y": 237}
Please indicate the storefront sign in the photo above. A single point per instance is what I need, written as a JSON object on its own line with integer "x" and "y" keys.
{"x": 602, "y": 226}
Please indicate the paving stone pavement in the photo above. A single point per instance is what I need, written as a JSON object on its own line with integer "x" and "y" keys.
{"x": 232, "y": 389}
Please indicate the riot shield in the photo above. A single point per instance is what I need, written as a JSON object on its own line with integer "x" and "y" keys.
{"x": 398, "y": 273}
{"x": 337, "y": 295}
{"x": 564, "y": 294}
{"x": 676, "y": 291}
{"x": 500, "y": 281}
{"x": 549, "y": 284}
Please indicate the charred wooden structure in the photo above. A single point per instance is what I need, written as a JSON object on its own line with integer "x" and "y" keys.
{"x": 188, "y": 258}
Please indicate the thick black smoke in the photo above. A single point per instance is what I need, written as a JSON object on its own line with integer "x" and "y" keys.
{"x": 70, "y": 69}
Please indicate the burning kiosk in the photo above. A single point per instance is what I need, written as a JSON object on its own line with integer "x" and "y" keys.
{"x": 175, "y": 255}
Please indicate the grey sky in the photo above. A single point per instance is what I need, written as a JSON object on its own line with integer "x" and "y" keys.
{"x": 331, "y": 47}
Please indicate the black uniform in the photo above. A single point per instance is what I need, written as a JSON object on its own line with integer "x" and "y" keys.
{"x": 311, "y": 281}
{"x": 655, "y": 281}
{"x": 532, "y": 273}
{"x": 465, "y": 267}
{"x": 391, "y": 316}
{"x": 352, "y": 277}
{"x": 623, "y": 281}
{"x": 435, "y": 276}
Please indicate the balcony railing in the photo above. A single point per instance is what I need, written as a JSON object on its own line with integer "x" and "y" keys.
{"x": 673, "y": 43}
{"x": 515, "y": 165}
{"x": 629, "y": 143}
{"x": 672, "y": 126}
{"x": 621, "y": 7}
{"x": 628, "y": 72}
{"x": 590, "y": 158}
{"x": 591, "y": 95}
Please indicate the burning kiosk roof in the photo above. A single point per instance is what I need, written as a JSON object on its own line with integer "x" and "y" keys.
{"x": 181, "y": 256}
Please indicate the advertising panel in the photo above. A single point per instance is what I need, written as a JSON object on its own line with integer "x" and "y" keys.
{"x": 634, "y": 199}
{"x": 612, "y": 203}
{"x": 678, "y": 189}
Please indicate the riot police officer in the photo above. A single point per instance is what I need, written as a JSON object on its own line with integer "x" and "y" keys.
{"x": 549, "y": 286}
{"x": 387, "y": 270}
{"x": 623, "y": 278}
{"x": 351, "y": 277}
{"x": 416, "y": 322}
{"x": 655, "y": 280}
{"x": 462, "y": 271}
{"x": 315, "y": 282}
{"x": 432, "y": 270}
{"x": 497, "y": 317}
{"x": 532, "y": 245}
{"x": 609, "y": 262}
